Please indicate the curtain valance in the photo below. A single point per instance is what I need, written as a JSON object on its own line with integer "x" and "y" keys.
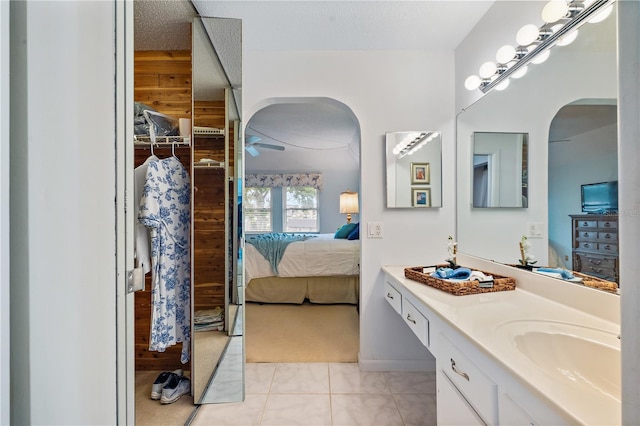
{"x": 284, "y": 179}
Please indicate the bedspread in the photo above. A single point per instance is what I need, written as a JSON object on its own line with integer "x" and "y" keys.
{"x": 319, "y": 256}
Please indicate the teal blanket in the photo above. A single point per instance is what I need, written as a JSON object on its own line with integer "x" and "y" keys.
{"x": 272, "y": 246}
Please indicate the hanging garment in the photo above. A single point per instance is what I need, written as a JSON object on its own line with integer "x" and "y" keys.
{"x": 165, "y": 210}
{"x": 142, "y": 241}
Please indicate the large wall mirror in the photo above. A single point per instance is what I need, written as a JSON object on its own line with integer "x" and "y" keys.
{"x": 414, "y": 169}
{"x": 218, "y": 355}
{"x": 567, "y": 108}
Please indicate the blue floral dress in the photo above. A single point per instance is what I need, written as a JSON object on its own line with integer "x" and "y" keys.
{"x": 165, "y": 210}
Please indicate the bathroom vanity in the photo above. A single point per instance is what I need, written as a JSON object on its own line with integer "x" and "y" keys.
{"x": 529, "y": 356}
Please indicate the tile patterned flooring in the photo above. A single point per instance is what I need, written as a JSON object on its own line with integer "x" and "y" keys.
{"x": 326, "y": 394}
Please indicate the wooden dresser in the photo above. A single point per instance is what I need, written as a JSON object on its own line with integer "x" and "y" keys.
{"x": 595, "y": 245}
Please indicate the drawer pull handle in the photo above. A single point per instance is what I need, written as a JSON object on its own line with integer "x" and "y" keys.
{"x": 607, "y": 224}
{"x": 607, "y": 247}
{"x": 607, "y": 235}
{"x": 455, "y": 370}
{"x": 595, "y": 262}
{"x": 389, "y": 296}
{"x": 586, "y": 234}
{"x": 410, "y": 319}
{"x": 585, "y": 223}
{"x": 596, "y": 270}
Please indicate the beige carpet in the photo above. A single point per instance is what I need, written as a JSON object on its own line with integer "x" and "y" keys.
{"x": 301, "y": 333}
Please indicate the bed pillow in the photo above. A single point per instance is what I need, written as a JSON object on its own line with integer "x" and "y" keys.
{"x": 345, "y": 230}
{"x": 355, "y": 234}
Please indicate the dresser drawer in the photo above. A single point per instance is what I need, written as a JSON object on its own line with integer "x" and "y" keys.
{"x": 394, "y": 297}
{"x": 587, "y": 224}
{"x": 588, "y": 245}
{"x": 607, "y": 248}
{"x": 608, "y": 224}
{"x": 608, "y": 236}
{"x": 587, "y": 235}
{"x": 476, "y": 387}
{"x": 416, "y": 322}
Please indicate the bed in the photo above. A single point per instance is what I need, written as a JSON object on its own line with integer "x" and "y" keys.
{"x": 320, "y": 269}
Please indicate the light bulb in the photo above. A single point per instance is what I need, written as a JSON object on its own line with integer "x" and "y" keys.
{"x": 503, "y": 85}
{"x": 520, "y": 72}
{"x": 505, "y": 54}
{"x": 555, "y": 10}
{"x": 487, "y": 69}
{"x": 472, "y": 82}
{"x": 541, "y": 57}
{"x": 602, "y": 15}
{"x": 527, "y": 35}
{"x": 568, "y": 39}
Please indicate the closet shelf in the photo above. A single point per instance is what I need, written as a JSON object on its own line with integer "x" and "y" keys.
{"x": 201, "y": 131}
{"x": 145, "y": 140}
{"x": 206, "y": 163}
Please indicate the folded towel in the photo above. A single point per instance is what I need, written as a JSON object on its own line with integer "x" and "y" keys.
{"x": 480, "y": 276}
{"x": 556, "y": 272}
{"x": 448, "y": 273}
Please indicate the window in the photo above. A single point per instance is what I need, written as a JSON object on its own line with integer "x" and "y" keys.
{"x": 300, "y": 205}
{"x": 257, "y": 210}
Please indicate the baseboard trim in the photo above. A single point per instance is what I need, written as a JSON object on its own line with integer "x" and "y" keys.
{"x": 397, "y": 365}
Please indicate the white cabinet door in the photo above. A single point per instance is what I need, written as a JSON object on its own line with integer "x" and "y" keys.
{"x": 453, "y": 408}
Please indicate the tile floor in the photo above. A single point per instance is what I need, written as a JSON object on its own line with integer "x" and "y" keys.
{"x": 326, "y": 394}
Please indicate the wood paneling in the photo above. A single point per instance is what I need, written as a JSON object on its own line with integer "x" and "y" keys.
{"x": 162, "y": 80}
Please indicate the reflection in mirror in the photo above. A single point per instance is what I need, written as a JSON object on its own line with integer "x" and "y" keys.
{"x": 499, "y": 169}
{"x": 414, "y": 164}
{"x": 218, "y": 354}
{"x": 585, "y": 69}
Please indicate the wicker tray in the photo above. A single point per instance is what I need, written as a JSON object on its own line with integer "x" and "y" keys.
{"x": 591, "y": 281}
{"x": 460, "y": 288}
{"x": 599, "y": 283}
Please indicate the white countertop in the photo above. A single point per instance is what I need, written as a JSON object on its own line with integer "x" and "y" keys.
{"x": 480, "y": 318}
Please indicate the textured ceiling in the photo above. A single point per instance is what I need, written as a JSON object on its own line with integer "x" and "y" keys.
{"x": 162, "y": 24}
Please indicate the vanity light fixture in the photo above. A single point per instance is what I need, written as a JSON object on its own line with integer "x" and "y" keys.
{"x": 413, "y": 142}
{"x": 562, "y": 19}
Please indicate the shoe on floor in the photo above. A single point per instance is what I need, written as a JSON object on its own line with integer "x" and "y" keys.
{"x": 177, "y": 386}
{"x": 162, "y": 380}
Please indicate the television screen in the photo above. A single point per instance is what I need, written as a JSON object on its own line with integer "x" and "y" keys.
{"x": 600, "y": 197}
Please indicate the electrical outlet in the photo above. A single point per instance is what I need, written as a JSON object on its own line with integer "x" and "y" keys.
{"x": 535, "y": 229}
{"x": 375, "y": 230}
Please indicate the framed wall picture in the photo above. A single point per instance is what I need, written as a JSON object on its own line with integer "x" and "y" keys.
{"x": 420, "y": 173}
{"x": 421, "y": 197}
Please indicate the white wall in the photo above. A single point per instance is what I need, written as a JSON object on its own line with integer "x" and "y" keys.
{"x": 63, "y": 322}
{"x": 629, "y": 182}
{"x": 387, "y": 91}
{"x": 4, "y": 213}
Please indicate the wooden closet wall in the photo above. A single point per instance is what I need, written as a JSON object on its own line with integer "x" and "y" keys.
{"x": 162, "y": 80}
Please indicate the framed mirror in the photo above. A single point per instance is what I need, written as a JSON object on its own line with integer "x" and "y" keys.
{"x": 414, "y": 169}
{"x": 499, "y": 169}
{"x": 559, "y": 139}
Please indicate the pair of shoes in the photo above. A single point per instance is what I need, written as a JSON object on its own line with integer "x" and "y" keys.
{"x": 161, "y": 381}
{"x": 177, "y": 386}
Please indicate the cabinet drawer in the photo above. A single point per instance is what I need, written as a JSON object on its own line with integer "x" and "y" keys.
{"x": 608, "y": 236}
{"x": 476, "y": 387}
{"x": 394, "y": 297}
{"x": 587, "y": 235}
{"x": 416, "y": 322}
{"x": 608, "y": 248}
{"x": 588, "y": 245}
{"x": 587, "y": 224}
{"x": 607, "y": 224}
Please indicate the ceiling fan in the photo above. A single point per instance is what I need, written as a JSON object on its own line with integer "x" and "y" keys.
{"x": 251, "y": 143}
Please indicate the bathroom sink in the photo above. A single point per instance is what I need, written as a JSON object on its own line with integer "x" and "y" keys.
{"x": 581, "y": 357}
